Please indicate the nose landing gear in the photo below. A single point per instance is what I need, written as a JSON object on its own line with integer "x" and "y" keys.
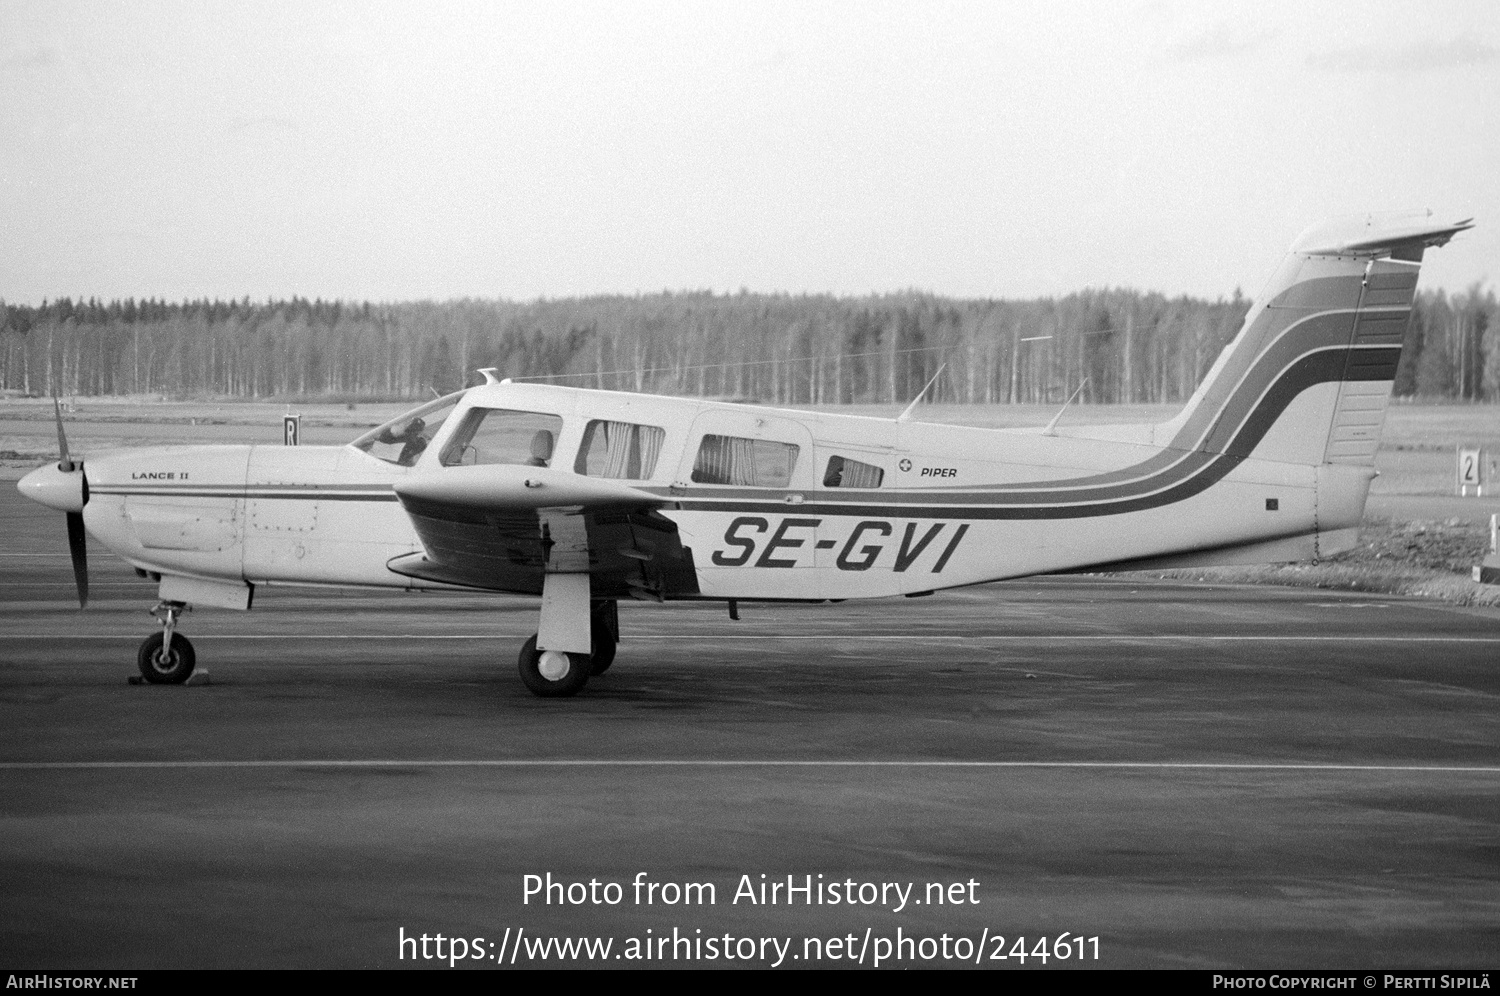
{"x": 166, "y": 658}
{"x": 557, "y": 673}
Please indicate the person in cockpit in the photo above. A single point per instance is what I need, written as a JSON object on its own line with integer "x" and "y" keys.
{"x": 411, "y": 439}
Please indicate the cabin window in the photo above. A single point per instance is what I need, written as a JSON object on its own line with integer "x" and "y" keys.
{"x": 756, "y": 463}
{"x": 402, "y": 441}
{"x": 499, "y": 435}
{"x": 843, "y": 472}
{"x": 621, "y": 450}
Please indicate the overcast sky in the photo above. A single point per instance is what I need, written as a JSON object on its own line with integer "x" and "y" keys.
{"x": 392, "y": 151}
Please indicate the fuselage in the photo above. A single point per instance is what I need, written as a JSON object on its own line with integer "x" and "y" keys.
{"x": 770, "y": 503}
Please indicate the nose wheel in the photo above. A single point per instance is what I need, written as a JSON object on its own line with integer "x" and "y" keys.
{"x": 166, "y": 658}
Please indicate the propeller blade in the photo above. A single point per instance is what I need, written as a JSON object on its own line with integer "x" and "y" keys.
{"x": 66, "y": 465}
{"x": 76, "y": 546}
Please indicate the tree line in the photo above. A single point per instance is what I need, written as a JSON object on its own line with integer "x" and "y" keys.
{"x": 1109, "y": 345}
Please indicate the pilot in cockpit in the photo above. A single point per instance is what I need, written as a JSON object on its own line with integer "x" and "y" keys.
{"x": 411, "y": 438}
{"x": 541, "y": 449}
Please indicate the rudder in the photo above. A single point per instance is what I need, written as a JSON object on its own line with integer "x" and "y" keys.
{"x": 1380, "y": 322}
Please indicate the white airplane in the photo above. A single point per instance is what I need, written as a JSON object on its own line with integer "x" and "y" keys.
{"x": 586, "y": 497}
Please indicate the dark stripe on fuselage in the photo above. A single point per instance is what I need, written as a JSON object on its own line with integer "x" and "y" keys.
{"x": 195, "y": 492}
{"x": 1323, "y": 366}
{"x": 241, "y": 488}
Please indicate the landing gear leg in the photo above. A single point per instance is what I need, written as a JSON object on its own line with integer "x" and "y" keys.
{"x": 557, "y": 661}
{"x": 166, "y": 658}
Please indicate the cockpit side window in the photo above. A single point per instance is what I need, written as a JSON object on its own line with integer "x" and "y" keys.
{"x": 402, "y": 441}
{"x": 756, "y": 463}
{"x": 501, "y": 435}
{"x": 843, "y": 472}
{"x": 622, "y": 450}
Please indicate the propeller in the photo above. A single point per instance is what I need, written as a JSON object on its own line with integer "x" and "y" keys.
{"x": 77, "y": 548}
{"x": 77, "y": 537}
{"x": 64, "y": 487}
{"x": 66, "y": 464}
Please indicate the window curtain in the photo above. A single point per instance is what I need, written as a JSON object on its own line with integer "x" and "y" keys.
{"x": 630, "y": 450}
{"x": 860, "y": 475}
{"x": 649, "y": 438}
{"x": 617, "y": 439}
{"x": 742, "y": 462}
{"x": 712, "y": 463}
{"x": 749, "y": 463}
{"x": 725, "y": 460}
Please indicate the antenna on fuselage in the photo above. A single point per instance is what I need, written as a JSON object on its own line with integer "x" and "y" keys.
{"x": 1053, "y": 424}
{"x": 914, "y": 401}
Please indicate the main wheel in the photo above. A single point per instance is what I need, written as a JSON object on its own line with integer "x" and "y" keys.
{"x": 603, "y": 656}
{"x": 604, "y": 628}
{"x": 553, "y": 673}
{"x": 169, "y": 668}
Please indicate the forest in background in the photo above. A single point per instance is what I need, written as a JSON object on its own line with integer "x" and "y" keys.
{"x": 1129, "y": 346}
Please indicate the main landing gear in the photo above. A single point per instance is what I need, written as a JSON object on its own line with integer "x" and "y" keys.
{"x": 560, "y": 673}
{"x": 604, "y": 627}
{"x": 166, "y": 658}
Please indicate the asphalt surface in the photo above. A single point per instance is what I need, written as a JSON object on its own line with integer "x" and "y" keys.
{"x": 1198, "y": 776}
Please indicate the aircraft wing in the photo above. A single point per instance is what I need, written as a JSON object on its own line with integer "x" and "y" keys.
{"x": 501, "y": 527}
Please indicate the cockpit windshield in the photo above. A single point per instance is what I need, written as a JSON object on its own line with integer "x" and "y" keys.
{"x": 402, "y": 440}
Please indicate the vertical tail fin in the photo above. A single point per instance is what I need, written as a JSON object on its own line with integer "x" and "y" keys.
{"x": 1308, "y": 378}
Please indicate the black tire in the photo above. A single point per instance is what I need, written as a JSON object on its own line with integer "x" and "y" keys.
{"x": 604, "y": 633}
{"x": 174, "y": 670}
{"x": 570, "y": 683}
{"x": 603, "y": 657}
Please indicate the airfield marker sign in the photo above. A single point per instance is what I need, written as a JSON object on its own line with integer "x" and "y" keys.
{"x": 1470, "y": 471}
{"x": 291, "y": 429}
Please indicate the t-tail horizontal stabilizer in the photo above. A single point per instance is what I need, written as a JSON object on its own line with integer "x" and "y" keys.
{"x": 1398, "y": 236}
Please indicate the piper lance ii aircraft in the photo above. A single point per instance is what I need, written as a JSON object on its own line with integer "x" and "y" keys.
{"x": 586, "y": 497}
